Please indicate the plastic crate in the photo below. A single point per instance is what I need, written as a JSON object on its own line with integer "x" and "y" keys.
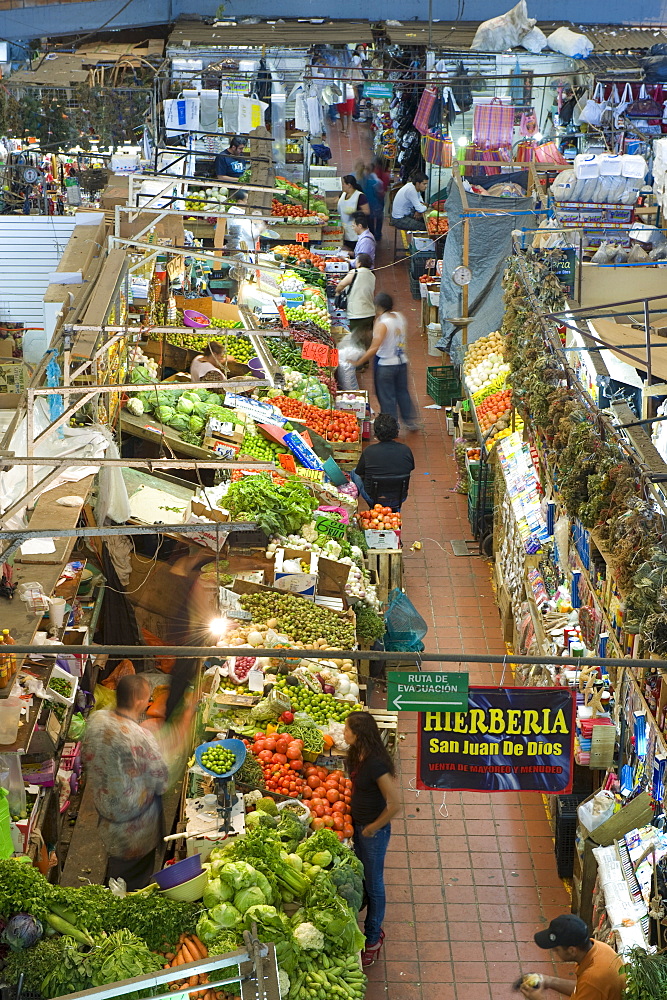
{"x": 566, "y": 833}
{"x": 443, "y": 384}
{"x": 418, "y": 261}
{"x": 415, "y": 289}
{"x": 473, "y": 488}
{"x": 479, "y": 519}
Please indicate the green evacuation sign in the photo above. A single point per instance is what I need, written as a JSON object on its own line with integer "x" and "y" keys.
{"x": 380, "y": 91}
{"x": 427, "y": 691}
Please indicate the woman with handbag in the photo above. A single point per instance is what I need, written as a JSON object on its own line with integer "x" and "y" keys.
{"x": 351, "y": 201}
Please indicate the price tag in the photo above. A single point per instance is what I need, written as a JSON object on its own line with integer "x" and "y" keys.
{"x": 215, "y": 426}
{"x": 256, "y": 680}
{"x": 288, "y": 463}
{"x": 302, "y": 238}
{"x": 331, "y": 527}
{"x": 306, "y": 437}
{"x": 225, "y": 451}
{"x": 322, "y": 355}
{"x": 313, "y": 475}
{"x": 283, "y": 317}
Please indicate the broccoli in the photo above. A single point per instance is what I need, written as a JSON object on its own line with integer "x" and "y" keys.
{"x": 267, "y": 805}
{"x": 290, "y": 830}
{"x": 349, "y": 885}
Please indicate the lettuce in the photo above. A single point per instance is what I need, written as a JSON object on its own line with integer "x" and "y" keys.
{"x": 245, "y": 898}
{"x": 216, "y": 892}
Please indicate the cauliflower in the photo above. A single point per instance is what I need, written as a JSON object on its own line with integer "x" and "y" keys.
{"x": 250, "y": 798}
{"x": 308, "y": 936}
{"x": 283, "y": 983}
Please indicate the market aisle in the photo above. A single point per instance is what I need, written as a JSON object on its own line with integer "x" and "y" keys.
{"x": 470, "y": 879}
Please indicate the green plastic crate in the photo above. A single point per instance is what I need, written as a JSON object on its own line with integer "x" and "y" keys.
{"x": 443, "y": 384}
{"x": 473, "y": 490}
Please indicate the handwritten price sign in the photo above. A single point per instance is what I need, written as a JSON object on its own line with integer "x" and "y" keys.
{"x": 302, "y": 238}
{"x": 325, "y": 357}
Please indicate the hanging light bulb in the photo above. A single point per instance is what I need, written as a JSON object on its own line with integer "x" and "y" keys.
{"x": 538, "y": 136}
{"x": 462, "y": 140}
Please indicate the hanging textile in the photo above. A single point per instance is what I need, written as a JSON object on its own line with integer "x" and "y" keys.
{"x": 493, "y": 124}
{"x": 438, "y": 149}
{"x": 423, "y": 115}
{"x": 56, "y": 402}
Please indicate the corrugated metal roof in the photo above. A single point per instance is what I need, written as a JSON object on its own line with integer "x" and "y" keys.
{"x": 458, "y": 35}
{"x": 294, "y": 34}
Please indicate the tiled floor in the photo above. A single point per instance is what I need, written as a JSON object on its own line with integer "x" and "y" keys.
{"x": 469, "y": 878}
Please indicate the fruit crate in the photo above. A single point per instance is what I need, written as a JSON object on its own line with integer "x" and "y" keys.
{"x": 443, "y": 384}
{"x": 473, "y": 488}
{"x": 346, "y": 454}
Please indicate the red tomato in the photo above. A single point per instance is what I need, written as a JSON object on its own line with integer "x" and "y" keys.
{"x": 313, "y": 780}
{"x": 307, "y": 792}
{"x": 296, "y": 765}
{"x": 340, "y": 835}
{"x": 299, "y": 744}
{"x": 265, "y": 755}
{"x": 281, "y": 746}
{"x": 338, "y": 807}
{"x": 333, "y": 795}
{"x": 259, "y": 745}
{"x": 318, "y": 810}
{"x": 317, "y": 823}
{"x": 348, "y": 831}
{"x": 338, "y": 822}
{"x": 280, "y": 758}
{"x": 270, "y": 744}
{"x": 323, "y": 773}
{"x": 293, "y": 753}
{"x": 328, "y": 820}
{"x": 338, "y": 775}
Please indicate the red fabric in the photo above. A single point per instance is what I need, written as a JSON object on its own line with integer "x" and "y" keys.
{"x": 493, "y": 124}
{"x": 423, "y": 115}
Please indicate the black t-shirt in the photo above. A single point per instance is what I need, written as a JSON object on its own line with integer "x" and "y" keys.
{"x": 386, "y": 458}
{"x": 227, "y": 165}
{"x": 367, "y": 799}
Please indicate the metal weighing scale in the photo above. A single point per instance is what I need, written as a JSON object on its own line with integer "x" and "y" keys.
{"x": 230, "y": 805}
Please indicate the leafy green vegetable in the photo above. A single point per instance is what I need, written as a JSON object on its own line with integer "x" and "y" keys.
{"x": 245, "y": 898}
{"x": 326, "y": 840}
{"x": 370, "y": 625}
{"x": 217, "y": 891}
{"x": 278, "y": 509}
{"x": 45, "y": 956}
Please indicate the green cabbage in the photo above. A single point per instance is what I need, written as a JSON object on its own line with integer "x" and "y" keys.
{"x": 246, "y": 898}
{"x": 180, "y": 422}
{"x": 216, "y": 892}
{"x": 185, "y": 404}
{"x": 165, "y": 414}
{"x": 196, "y": 423}
{"x": 141, "y": 374}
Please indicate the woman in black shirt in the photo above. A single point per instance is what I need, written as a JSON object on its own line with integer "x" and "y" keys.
{"x": 374, "y": 803}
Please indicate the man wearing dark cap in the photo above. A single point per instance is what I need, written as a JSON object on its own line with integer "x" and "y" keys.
{"x": 230, "y": 164}
{"x": 598, "y": 966}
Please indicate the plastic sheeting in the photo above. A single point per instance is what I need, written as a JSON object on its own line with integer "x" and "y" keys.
{"x": 490, "y": 246}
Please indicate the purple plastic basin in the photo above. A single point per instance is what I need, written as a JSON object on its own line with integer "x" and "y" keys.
{"x": 179, "y": 873}
{"x": 195, "y": 319}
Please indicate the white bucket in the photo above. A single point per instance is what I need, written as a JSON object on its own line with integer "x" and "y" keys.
{"x": 434, "y": 333}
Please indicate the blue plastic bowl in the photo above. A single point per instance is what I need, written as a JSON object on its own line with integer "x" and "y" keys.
{"x": 239, "y": 748}
{"x": 181, "y": 872}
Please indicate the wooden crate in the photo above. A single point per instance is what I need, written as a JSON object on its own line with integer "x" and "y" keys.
{"x": 387, "y": 564}
{"x": 347, "y": 453}
{"x": 387, "y": 723}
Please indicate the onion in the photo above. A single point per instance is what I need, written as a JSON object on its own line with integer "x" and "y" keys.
{"x": 329, "y": 689}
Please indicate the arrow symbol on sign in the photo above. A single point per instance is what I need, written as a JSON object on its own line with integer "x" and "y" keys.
{"x": 398, "y": 701}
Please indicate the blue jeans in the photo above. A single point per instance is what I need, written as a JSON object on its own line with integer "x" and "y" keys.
{"x": 371, "y": 852}
{"x": 359, "y": 483}
{"x": 391, "y": 389}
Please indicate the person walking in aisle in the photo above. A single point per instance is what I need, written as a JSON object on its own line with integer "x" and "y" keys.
{"x": 374, "y": 804}
{"x": 360, "y": 307}
{"x": 391, "y": 370}
{"x": 128, "y": 776}
{"x": 389, "y": 457}
{"x": 409, "y": 206}
{"x": 365, "y": 240}
{"x": 351, "y": 201}
{"x": 598, "y": 970}
{"x": 357, "y": 77}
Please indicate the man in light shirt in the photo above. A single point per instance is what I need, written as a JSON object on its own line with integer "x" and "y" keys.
{"x": 365, "y": 239}
{"x": 409, "y": 206}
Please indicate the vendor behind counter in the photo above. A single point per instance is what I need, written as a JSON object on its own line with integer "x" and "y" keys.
{"x": 208, "y": 366}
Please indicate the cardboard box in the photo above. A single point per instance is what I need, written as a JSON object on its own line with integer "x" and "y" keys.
{"x": 304, "y": 584}
{"x": 27, "y": 825}
{"x": 357, "y": 405}
{"x": 212, "y": 513}
{"x": 383, "y": 539}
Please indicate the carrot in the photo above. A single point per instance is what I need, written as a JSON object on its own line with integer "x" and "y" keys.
{"x": 187, "y": 954}
{"x": 178, "y": 960}
{"x": 193, "y": 981}
{"x": 181, "y": 939}
{"x": 197, "y": 947}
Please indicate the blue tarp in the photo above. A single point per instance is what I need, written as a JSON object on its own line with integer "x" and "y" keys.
{"x": 490, "y": 246}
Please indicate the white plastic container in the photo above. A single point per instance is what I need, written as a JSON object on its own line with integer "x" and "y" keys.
{"x": 634, "y": 166}
{"x": 10, "y": 717}
{"x": 434, "y": 333}
{"x": 611, "y": 164}
{"x": 586, "y": 166}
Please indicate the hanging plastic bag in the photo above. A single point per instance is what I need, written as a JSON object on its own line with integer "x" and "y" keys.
{"x": 251, "y": 114}
{"x": 596, "y": 811}
{"x": 591, "y": 113}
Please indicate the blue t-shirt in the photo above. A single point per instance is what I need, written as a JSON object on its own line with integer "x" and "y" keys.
{"x": 227, "y": 165}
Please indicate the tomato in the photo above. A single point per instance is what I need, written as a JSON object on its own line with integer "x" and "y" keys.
{"x": 348, "y": 831}
{"x": 307, "y": 792}
{"x": 265, "y": 755}
{"x": 328, "y": 820}
{"x": 299, "y": 744}
{"x": 338, "y": 822}
{"x": 338, "y": 807}
{"x": 338, "y": 775}
{"x": 270, "y": 744}
{"x": 318, "y": 810}
{"x": 327, "y": 808}
{"x": 295, "y": 765}
{"x": 281, "y": 746}
{"x": 317, "y": 823}
{"x": 340, "y": 835}
{"x": 280, "y": 758}
{"x": 331, "y": 783}
{"x": 333, "y": 795}
{"x": 313, "y": 780}
{"x": 323, "y": 773}
{"x": 259, "y": 745}
{"x": 293, "y": 753}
